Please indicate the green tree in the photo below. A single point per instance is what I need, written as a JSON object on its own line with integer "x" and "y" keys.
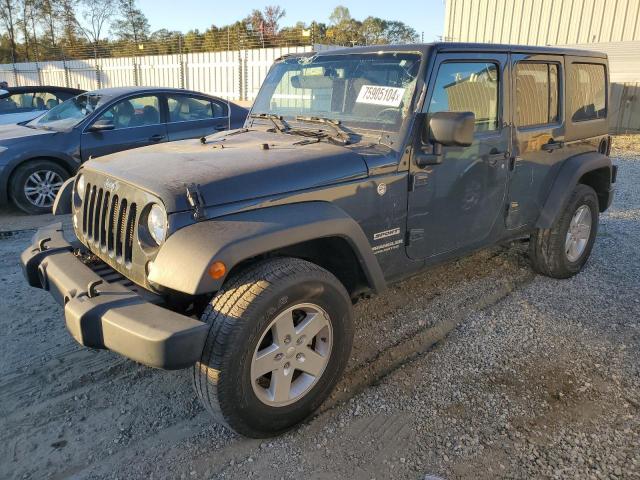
{"x": 399, "y": 32}
{"x": 339, "y": 15}
{"x": 374, "y": 30}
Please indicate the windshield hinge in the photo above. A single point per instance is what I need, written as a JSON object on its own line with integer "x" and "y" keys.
{"x": 194, "y": 197}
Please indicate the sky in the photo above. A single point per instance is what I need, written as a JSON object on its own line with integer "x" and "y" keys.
{"x": 423, "y": 15}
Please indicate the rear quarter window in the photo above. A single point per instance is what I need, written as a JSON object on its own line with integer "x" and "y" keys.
{"x": 587, "y": 93}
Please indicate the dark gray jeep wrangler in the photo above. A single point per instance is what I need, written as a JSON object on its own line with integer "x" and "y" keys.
{"x": 240, "y": 255}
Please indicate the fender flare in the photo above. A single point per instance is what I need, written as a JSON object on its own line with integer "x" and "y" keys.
{"x": 568, "y": 177}
{"x": 183, "y": 260}
{"x": 62, "y": 203}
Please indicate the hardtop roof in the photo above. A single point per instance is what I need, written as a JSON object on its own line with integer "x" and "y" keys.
{"x": 465, "y": 47}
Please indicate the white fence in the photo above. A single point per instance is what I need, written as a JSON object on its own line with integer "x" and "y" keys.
{"x": 236, "y": 75}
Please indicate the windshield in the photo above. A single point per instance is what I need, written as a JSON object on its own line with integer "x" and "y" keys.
{"x": 362, "y": 91}
{"x": 69, "y": 113}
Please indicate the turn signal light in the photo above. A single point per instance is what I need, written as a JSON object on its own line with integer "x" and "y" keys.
{"x": 217, "y": 270}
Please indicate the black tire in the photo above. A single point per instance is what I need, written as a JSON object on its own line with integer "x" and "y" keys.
{"x": 20, "y": 178}
{"x": 238, "y": 316}
{"x": 547, "y": 246}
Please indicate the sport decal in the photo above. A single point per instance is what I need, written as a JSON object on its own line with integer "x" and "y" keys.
{"x": 387, "y": 233}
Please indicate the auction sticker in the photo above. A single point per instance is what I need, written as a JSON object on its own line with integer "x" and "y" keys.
{"x": 376, "y": 95}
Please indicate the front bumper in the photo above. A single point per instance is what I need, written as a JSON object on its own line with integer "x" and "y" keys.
{"x": 100, "y": 313}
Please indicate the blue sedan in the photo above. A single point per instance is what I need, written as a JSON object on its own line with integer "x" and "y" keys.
{"x": 38, "y": 156}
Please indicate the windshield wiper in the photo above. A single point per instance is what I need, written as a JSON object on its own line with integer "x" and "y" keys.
{"x": 280, "y": 124}
{"x": 343, "y": 136}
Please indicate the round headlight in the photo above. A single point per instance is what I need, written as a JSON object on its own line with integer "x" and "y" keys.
{"x": 80, "y": 186}
{"x": 157, "y": 223}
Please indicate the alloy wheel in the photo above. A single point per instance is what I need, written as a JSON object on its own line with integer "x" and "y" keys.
{"x": 578, "y": 233}
{"x": 291, "y": 355}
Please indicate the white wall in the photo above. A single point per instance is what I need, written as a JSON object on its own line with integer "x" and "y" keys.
{"x": 236, "y": 75}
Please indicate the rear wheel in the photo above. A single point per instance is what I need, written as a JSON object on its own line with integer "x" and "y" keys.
{"x": 562, "y": 250}
{"x": 34, "y": 185}
{"x": 280, "y": 336}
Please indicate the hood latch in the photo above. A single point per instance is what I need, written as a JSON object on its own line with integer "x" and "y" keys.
{"x": 194, "y": 197}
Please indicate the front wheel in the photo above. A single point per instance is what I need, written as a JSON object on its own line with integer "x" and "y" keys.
{"x": 562, "y": 250}
{"x": 280, "y": 336}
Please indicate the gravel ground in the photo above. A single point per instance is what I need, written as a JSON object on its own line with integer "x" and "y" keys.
{"x": 475, "y": 369}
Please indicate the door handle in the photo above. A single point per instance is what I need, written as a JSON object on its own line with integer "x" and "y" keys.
{"x": 156, "y": 138}
{"x": 552, "y": 145}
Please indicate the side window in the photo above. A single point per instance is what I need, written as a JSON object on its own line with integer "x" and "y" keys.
{"x": 587, "y": 92}
{"x": 134, "y": 112}
{"x": 536, "y": 94}
{"x": 183, "y": 108}
{"x": 45, "y": 100}
{"x": 8, "y": 105}
{"x": 468, "y": 87}
{"x": 22, "y": 101}
{"x": 220, "y": 109}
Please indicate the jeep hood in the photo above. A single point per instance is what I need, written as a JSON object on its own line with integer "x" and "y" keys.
{"x": 231, "y": 167}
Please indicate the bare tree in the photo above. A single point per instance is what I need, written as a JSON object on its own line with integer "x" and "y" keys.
{"x": 66, "y": 10}
{"x": 96, "y": 15}
{"x": 30, "y": 15}
{"x": 23, "y": 24}
{"x": 48, "y": 11}
{"x": 272, "y": 16}
{"x": 8, "y": 18}
{"x": 132, "y": 24}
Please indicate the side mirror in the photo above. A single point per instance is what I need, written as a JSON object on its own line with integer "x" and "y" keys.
{"x": 448, "y": 129}
{"x": 102, "y": 125}
{"x": 452, "y": 129}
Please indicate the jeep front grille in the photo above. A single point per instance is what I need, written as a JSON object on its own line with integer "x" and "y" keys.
{"x": 109, "y": 223}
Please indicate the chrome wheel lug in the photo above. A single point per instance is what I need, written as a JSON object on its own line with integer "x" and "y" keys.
{"x": 301, "y": 340}
{"x": 300, "y": 357}
{"x": 278, "y": 357}
{"x": 287, "y": 339}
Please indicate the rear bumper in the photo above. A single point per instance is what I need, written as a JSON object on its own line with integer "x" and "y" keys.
{"x": 100, "y": 314}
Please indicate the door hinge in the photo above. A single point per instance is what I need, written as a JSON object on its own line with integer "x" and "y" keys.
{"x": 419, "y": 180}
{"x": 415, "y": 235}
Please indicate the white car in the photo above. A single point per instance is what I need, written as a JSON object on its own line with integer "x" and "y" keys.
{"x": 21, "y": 104}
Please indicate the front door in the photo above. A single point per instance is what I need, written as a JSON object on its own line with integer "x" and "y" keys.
{"x": 137, "y": 122}
{"x": 457, "y": 203}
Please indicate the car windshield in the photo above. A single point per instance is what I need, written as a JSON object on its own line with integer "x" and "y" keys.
{"x": 371, "y": 91}
{"x": 69, "y": 113}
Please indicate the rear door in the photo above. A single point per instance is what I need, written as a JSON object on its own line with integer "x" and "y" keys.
{"x": 137, "y": 122}
{"x": 539, "y": 149}
{"x": 192, "y": 116}
{"x": 456, "y": 204}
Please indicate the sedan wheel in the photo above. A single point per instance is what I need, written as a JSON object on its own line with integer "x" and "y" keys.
{"x": 42, "y": 187}
{"x": 35, "y": 184}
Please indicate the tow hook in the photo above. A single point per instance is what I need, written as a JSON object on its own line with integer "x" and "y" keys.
{"x": 91, "y": 288}
{"x": 42, "y": 244}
